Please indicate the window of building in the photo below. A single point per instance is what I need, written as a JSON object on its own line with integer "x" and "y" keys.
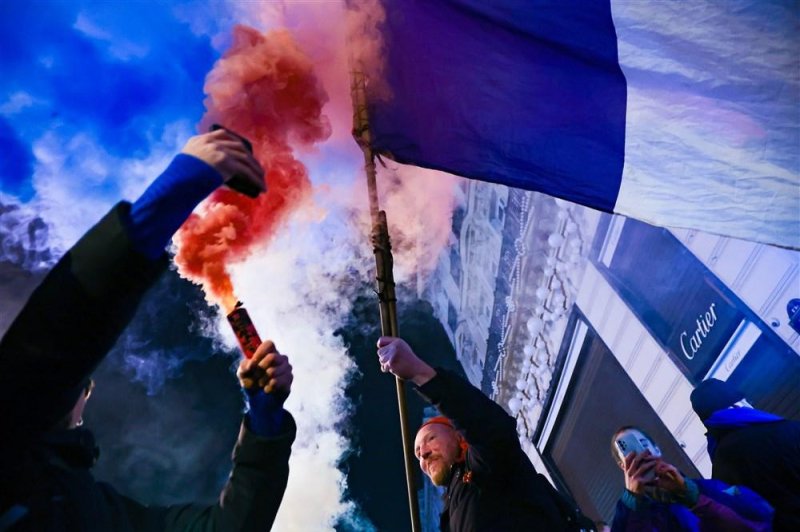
{"x": 458, "y": 220}
{"x": 452, "y": 317}
{"x": 455, "y": 265}
{"x": 600, "y": 398}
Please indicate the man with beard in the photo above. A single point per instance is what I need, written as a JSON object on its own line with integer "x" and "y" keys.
{"x": 473, "y": 452}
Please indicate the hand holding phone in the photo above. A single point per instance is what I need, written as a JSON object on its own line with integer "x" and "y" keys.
{"x": 640, "y": 472}
{"x": 639, "y": 457}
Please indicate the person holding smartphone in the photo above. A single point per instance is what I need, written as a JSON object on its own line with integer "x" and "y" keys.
{"x": 658, "y": 497}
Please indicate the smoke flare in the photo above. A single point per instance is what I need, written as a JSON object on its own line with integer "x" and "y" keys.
{"x": 265, "y": 89}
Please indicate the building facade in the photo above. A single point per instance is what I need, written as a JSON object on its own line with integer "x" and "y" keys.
{"x": 598, "y": 321}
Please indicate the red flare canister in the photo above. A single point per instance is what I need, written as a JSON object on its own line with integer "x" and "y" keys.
{"x": 244, "y": 330}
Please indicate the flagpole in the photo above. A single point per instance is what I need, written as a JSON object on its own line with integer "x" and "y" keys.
{"x": 387, "y": 300}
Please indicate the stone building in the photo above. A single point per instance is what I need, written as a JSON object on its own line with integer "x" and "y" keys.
{"x": 578, "y": 322}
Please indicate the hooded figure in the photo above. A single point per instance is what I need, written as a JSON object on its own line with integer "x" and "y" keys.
{"x": 66, "y": 329}
{"x": 752, "y": 448}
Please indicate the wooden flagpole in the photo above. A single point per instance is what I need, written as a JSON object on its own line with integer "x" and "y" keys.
{"x": 387, "y": 300}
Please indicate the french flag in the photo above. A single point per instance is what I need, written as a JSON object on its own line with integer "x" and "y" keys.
{"x": 681, "y": 114}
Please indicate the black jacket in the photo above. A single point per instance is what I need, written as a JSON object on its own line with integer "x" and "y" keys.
{"x": 765, "y": 457}
{"x": 497, "y": 487}
{"x": 64, "y": 331}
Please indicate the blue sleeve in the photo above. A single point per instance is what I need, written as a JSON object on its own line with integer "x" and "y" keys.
{"x": 264, "y": 415}
{"x": 741, "y": 500}
{"x": 168, "y": 201}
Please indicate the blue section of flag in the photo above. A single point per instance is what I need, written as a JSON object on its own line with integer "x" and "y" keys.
{"x": 528, "y": 94}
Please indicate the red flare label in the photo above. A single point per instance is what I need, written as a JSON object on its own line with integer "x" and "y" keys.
{"x": 244, "y": 330}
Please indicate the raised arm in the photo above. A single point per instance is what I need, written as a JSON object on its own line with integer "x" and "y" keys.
{"x": 74, "y": 317}
{"x": 254, "y": 491}
{"x": 485, "y": 425}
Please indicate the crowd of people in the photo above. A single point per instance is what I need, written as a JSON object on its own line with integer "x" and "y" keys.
{"x": 471, "y": 449}
{"x": 491, "y": 485}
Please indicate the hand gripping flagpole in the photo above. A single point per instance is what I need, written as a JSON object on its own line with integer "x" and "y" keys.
{"x": 382, "y": 248}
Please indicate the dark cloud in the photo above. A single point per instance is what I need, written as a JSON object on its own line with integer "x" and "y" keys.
{"x": 24, "y": 240}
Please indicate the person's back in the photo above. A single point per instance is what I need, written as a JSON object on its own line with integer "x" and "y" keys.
{"x": 766, "y": 458}
{"x": 752, "y": 448}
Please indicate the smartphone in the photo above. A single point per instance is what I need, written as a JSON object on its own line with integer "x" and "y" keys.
{"x": 238, "y": 182}
{"x": 633, "y": 441}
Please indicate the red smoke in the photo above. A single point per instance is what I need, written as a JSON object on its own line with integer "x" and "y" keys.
{"x": 265, "y": 89}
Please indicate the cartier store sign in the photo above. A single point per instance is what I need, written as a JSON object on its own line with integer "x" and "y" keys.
{"x": 701, "y": 328}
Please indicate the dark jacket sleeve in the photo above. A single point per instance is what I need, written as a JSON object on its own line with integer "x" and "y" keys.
{"x": 248, "y": 502}
{"x": 732, "y": 504}
{"x": 489, "y": 430}
{"x": 621, "y": 520}
{"x": 69, "y": 324}
{"x": 716, "y": 508}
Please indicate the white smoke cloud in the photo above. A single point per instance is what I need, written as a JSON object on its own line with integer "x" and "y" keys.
{"x": 76, "y": 180}
{"x": 297, "y": 293}
{"x": 299, "y": 290}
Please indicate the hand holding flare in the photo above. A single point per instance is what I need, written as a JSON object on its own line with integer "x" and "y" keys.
{"x": 267, "y": 369}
